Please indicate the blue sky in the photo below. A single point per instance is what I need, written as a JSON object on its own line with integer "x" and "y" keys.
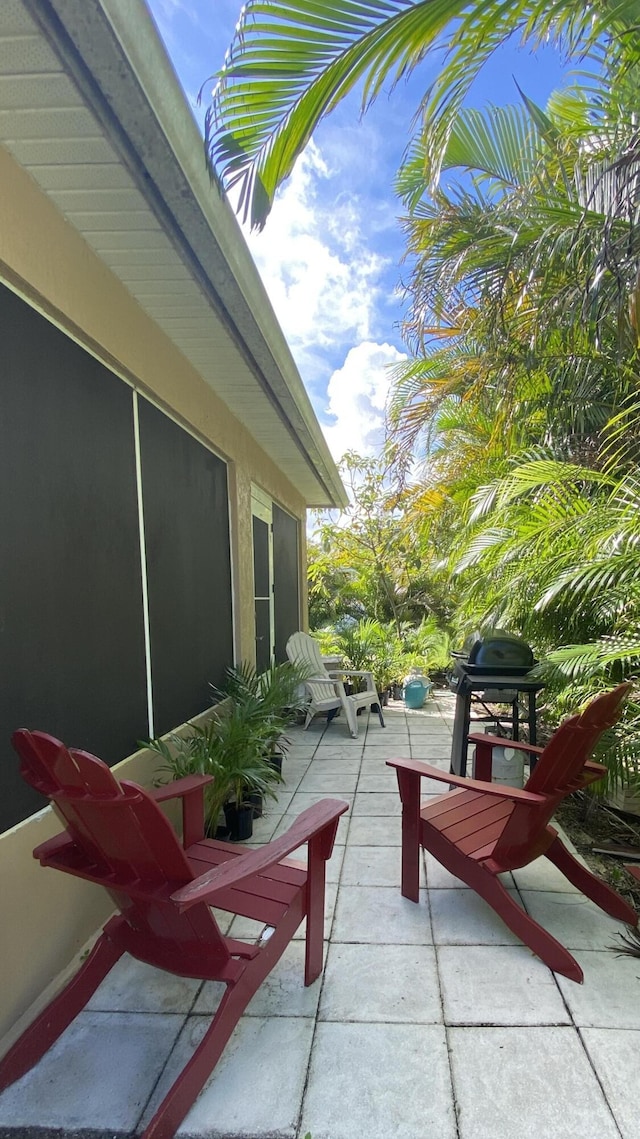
{"x": 330, "y": 254}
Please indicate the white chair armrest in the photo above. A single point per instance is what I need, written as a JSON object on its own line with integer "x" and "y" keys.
{"x": 371, "y": 687}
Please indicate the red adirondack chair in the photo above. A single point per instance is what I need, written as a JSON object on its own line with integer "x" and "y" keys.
{"x": 484, "y": 829}
{"x": 117, "y": 836}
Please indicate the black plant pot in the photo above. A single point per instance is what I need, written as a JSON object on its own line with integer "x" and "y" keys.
{"x": 274, "y": 759}
{"x": 239, "y": 821}
{"x": 255, "y": 798}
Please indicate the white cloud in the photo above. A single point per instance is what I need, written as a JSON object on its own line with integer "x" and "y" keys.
{"x": 323, "y": 281}
{"x": 357, "y": 395}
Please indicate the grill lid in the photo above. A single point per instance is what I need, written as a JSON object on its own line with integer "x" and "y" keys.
{"x": 498, "y": 649}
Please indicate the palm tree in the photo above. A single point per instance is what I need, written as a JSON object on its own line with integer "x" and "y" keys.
{"x": 292, "y": 61}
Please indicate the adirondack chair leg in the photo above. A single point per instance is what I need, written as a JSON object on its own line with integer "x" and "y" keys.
{"x": 319, "y": 850}
{"x": 58, "y": 1015}
{"x": 603, "y": 896}
{"x": 489, "y": 887}
{"x": 409, "y": 786}
{"x": 194, "y": 1075}
{"x": 546, "y": 947}
{"x": 351, "y": 717}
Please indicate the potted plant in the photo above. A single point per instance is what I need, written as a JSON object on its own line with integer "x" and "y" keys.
{"x": 277, "y": 695}
{"x": 231, "y": 748}
{"x": 197, "y": 753}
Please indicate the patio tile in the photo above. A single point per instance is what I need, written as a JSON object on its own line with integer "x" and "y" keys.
{"x": 292, "y": 774}
{"x": 365, "y": 831}
{"x": 574, "y": 920}
{"x": 390, "y": 736}
{"x": 373, "y": 866}
{"x": 280, "y": 804}
{"x": 330, "y": 895}
{"x": 380, "y": 781}
{"x": 499, "y": 985}
{"x": 615, "y": 1057}
{"x": 282, "y": 993}
{"x": 429, "y": 728}
{"x": 382, "y": 983}
{"x": 333, "y": 866}
{"x": 431, "y": 751}
{"x": 340, "y": 741}
{"x": 340, "y": 766}
{"x": 256, "y": 1088}
{"x": 303, "y": 799}
{"x": 332, "y": 781}
{"x": 380, "y": 915}
{"x": 382, "y": 1081}
{"x": 383, "y": 749}
{"x": 378, "y": 765}
{"x": 603, "y": 1000}
{"x": 116, "y": 1055}
{"x": 264, "y": 827}
{"x": 377, "y": 803}
{"x": 338, "y": 756}
{"x": 133, "y": 986}
{"x": 247, "y": 929}
{"x": 461, "y": 917}
{"x": 543, "y": 875}
{"x": 529, "y": 1082}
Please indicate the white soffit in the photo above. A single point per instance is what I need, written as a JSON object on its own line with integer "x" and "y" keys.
{"x": 90, "y": 106}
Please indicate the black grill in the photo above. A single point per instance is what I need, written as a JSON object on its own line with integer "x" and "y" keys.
{"x": 495, "y": 669}
{"x": 495, "y": 654}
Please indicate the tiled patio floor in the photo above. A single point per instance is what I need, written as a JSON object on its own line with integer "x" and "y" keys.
{"x": 429, "y": 1022}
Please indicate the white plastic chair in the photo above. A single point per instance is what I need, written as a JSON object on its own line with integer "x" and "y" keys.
{"x": 325, "y": 687}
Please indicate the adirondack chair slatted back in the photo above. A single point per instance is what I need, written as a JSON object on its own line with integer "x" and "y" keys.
{"x": 320, "y": 693}
{"x": 559, "y": 771}
{"x": 50, "y": 769}
{"x": 129, "y": 847}
{"x": 302, "y": 649}
{"x": 560, "y": 766}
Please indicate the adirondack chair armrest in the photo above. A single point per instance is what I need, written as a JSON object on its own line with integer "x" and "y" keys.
{"x": 50, "y": 850}
{"x": 592, "y": 772}
{"x": 191, "y": 790}
{"x": 180, "y": 787}
{"x": 349, "y": 672}
{"x": 417, "y": 768}
{"x": 501, "y": 741}
{"x": 321, "y": 817}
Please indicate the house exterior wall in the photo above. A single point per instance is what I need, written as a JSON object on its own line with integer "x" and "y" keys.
{"x": 47, "y": 917}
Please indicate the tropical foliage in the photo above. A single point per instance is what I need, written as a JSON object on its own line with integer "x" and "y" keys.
{"x": 292, "y": 61}
{"x": 510, "y": 491}
{"x": 389, "y": 653}
{"x": 366, "y": 562}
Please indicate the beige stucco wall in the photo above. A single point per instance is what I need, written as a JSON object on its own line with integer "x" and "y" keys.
{"x": 46, "y": 917}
